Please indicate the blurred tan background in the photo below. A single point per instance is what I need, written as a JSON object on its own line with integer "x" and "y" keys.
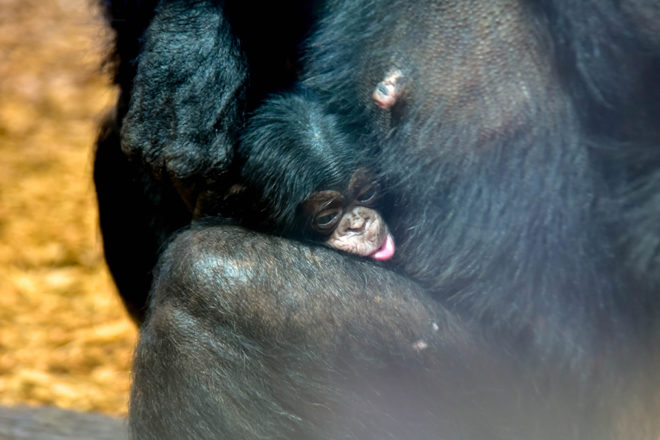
{"x": 65, "y": 339}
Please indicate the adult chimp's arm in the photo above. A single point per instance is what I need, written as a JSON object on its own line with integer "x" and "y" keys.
{"x": 171, "y": 137}
{"x": 187, "y": 97}
{"x": 251, "y": 336}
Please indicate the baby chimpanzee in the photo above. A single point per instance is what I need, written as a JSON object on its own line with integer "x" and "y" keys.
{"x": 310, "y": 180}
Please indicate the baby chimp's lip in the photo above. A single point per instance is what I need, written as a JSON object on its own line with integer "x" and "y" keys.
{"x": 386, "y": 251}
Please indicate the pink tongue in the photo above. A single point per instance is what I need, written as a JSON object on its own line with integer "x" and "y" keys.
{"x": 386, "y": 251}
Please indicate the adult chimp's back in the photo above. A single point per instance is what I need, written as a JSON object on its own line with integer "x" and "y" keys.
{"x": 522, "y": 152}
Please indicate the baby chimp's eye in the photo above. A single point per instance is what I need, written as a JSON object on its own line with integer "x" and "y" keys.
{"x": 327, "y": 219}
{"x": 367, "y": 194}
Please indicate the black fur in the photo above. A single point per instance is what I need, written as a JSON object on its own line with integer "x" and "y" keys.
{"x": 164, "y": 155}
{"x": 523, "y": 162}
{"x": 292, "y": 147}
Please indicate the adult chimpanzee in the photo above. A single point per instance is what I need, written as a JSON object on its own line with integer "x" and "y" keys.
{"x": 302, "y": 177}
{"x": 519, "y": 143}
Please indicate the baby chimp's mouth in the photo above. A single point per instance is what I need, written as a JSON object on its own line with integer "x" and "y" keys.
{"x": 386, "y": 251}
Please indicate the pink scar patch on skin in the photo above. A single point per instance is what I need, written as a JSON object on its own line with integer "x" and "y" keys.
{"x": 386, "y": 251}
{"x": 388, "y": 90}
